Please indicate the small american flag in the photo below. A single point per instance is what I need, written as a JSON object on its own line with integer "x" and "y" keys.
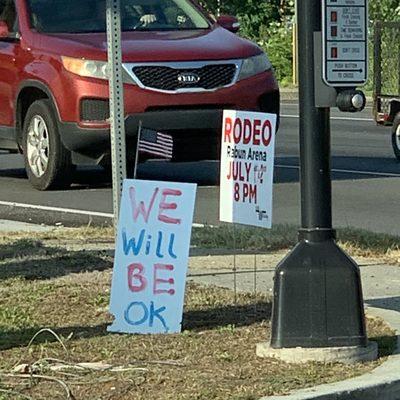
{"x": 155, "y": 143}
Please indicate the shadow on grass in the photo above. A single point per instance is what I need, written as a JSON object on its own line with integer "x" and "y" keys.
{"x": 23, "y": 248}
{"x": 22, "y": 337}
{"x": 199, "y": 320}
{"x": 232, "y": 315}
{"x": 30, "y": 259}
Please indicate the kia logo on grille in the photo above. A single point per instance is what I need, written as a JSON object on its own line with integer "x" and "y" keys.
{"x": 188, "y": 78}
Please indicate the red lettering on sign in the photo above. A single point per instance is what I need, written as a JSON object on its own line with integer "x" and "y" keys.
{"x": 236, "y": 192}
{"x": 157, "y": 281}
{"x": 248, "y": 169}
{"x": 256, "y": 134}
{"x": 266, "y": 132}
{"x": 237, "y": 130}
{"x": 136, "y": 272}
{"x": 247, "y": 129}
{"x": 168, "y": 206}
{"x": 141, "y": 208}
{"x": 249, "y": 193}
{"x": 228, "y": 130}
{"x": 253, "y": 193}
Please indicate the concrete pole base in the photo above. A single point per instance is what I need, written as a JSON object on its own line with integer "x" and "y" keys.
{"x": 298, "y": 355}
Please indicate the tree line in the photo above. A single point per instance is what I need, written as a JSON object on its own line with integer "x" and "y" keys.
{"x": 270, "y": 24}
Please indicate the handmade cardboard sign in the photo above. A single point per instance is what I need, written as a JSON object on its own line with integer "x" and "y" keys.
{"x": 247, "y": 165}
{"x": 151, "y": 256}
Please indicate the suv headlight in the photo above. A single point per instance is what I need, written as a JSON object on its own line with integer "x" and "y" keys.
{"x": 254, "y": 65}
{"x": 90, "y": 68}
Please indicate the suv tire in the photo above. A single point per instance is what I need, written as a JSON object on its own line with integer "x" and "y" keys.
{"x": 47, "y": 162}
{"x": 396, "y": 136}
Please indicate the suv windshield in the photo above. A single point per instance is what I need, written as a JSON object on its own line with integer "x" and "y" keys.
{"x": 85, "y": 16}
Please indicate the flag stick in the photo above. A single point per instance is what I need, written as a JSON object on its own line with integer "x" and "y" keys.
{"x": 137, "y": 150}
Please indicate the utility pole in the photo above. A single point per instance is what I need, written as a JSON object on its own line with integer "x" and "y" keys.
{"x": 117, "y": 110}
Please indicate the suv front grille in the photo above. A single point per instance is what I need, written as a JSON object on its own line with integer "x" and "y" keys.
{"x": 171, "y": 79}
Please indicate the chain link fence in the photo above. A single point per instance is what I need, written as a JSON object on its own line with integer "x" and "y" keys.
{"x": 386, "y": 63}
{"x": 387, "y": 58}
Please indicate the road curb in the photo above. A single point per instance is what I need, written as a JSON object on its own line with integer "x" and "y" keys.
{"x": 383, "y": 383}
{"x": 17, "y": 226}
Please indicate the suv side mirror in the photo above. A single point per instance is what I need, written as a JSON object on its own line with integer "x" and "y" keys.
{"x": 228, "y": 22}
{"x": 4, "y": 31}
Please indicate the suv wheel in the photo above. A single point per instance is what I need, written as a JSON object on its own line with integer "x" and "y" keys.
{"x": 47, "y": 162}
{"x": 396, "y": 136}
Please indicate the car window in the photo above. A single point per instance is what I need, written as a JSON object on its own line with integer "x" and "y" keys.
{"x": 84, "y": 16}
{"x": 8, "y": 14}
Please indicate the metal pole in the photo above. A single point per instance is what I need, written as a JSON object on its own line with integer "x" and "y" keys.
{"x": 294, "y": 55}
{"x": 377, "y": 65}
{"x": 317, "y": 287}
{"x": 316, "y": 201}
{"x": 295, "y": 52}
{"x": 117, "y": 113}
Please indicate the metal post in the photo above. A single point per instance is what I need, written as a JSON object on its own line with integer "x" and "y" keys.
{"x": 317, "y": 289}
{"x": 294, "y": 55}
{"x": 377, "y": 64}
{"x": 117, "y": 113}
{"x": 314, "y": 128}
{"x": 295, "y": 52}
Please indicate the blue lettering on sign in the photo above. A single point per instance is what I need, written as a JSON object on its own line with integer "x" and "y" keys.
{"x": 148, "y": 245}
{"x": 159, "y": 243}
{"x": 140, "y": 321}
{"x": 171, "y": 246}
{"x": 157, "y": 314}
{"x": 132, "y": 245}
{"x": 149, "y": 314}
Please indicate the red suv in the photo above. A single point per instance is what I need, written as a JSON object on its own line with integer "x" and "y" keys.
{"x": 181, "y": 68}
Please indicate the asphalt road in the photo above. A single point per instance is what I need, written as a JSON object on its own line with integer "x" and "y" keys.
{"x": 366, "y": 184}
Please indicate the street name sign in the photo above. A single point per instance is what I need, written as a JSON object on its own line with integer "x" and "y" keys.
{"x": 344, "y": 38}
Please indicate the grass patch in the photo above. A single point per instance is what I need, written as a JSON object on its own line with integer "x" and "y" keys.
{"x": 84, "y": 235}
{"x": 213, "y": 358}
{"x": 285, "y": 236}
{"x": 249, "y": 239}
{"x": 369, "y": 243}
